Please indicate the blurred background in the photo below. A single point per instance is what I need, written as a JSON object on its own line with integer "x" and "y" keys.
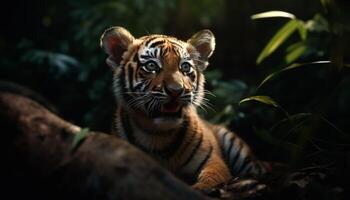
{"x": 295, "y": 108}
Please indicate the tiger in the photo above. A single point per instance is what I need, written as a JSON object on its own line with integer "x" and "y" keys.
{"x": 158, "y": 84}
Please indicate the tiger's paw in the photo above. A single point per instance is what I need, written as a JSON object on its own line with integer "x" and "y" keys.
{"x": 244, "y": 189}
{"x": 206, "y": 189}
{"x": 236, "y": 189}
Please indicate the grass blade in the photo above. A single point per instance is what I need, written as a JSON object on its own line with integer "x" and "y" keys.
{"x": 295, "y": 51}
{"x": 278, "y": 39}
{"x": 274, "y": 13}
{"x": 262, "y": 99}
{"x": 293, "y": 66}
{"x": 302, "y": 30}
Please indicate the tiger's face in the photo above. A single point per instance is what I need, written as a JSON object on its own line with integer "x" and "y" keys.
{"x": 158, "y": 75}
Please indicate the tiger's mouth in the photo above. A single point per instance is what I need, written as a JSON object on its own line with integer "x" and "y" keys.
{"x": 171, "y": 106}
{"x": 170, "y": 109}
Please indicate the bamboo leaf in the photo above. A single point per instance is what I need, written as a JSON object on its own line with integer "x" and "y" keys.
{"x": 262, "y": 99}
{"x": 302, "y": 30}
{"x": 271, "y": 14}
{"x": 295, "y": 51}
{"x": 293, "y": 66}
{"x": 265, "y": 100}
{"x": 278, "y": 39}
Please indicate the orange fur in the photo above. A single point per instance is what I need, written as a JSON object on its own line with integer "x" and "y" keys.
{"x": 201, "y": 153}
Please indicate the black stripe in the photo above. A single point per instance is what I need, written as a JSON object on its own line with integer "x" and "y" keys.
{"x": 194, "y": 150}
{"x": 127, "y": 127}
{"x": 139, "y": 85}
{"x": 147, "y": 86}
{"x": 177, "y": 52}
{"x": 231, "y": 163}
{"x": 136, "y": 57}
{"x": 165, "y": 50}
{"x": 162, "y": 50}
{"x": 155, "y": 53}
{"x": 197, "y": 88}
{"x": 146, "y": 57}
{"x": 148, "y": 40}
{"x": 156, "y": 43}
{"x": 131, "y": 77}
{"x": 175, "y": 44}
{"x": 223, "y": 138}
{"x": 192, "y": 76}
{"x": 121, "y": 84}
{"x": 229, "y": 150}
{"x": 141, "y": 75}
{"x": 129, "y": 132}
{"x": 152, "y": 54}
{"x": 138, "y": 64}
{"x": 147, "y": 104}
{"x": 171, "y": 149}
{"x": 245, "y": 162}
{"x": 248, "y": 171}
{"x": 204, "y": 161}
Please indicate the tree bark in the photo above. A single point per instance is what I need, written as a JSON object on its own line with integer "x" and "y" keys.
{"x": 39, "y": 160}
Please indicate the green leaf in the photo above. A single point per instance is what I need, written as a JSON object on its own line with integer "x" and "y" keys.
{"x": 266, "y": 100}
{"x": 78, "y": 138}
{"x": 262, "y": 99}
{"x": 302, "y": 30}
{"x": 295, "y": 51}
{"x": 324, "y": 3}
{"x": 271, "y": 14}
{"x": 278, "y": 39}
{"x": 317, "y": 24}
{"x": 293, "y": 66}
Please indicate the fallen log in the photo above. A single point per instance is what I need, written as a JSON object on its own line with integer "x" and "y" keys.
{"x": 40, "y": 161}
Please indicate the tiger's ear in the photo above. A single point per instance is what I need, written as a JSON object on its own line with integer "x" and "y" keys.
{"x": 115, "y": 42}
{"x": 204, "y": 42}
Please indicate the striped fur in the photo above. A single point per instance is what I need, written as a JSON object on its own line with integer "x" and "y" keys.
{"x": 159, "y": 84}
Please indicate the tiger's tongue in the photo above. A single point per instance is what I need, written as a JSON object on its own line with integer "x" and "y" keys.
{"x": 171, "y": 107}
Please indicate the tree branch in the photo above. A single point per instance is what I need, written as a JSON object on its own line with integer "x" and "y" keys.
{"x": 39, "y": 161}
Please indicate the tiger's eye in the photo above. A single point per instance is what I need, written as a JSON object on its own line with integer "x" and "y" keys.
{"x": 151, "y": 67}
{"x": 186, "y": 67}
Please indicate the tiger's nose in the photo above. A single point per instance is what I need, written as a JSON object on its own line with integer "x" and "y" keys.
{"x": 174, "y": 90}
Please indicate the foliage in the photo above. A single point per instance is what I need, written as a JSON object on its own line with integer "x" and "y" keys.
{"x": 303, "y": 74}
{"x": 314, "y": 129}
{"x": 64, "y": 48}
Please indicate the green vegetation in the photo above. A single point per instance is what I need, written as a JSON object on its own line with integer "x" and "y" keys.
{"x": 296, "y": 66}
{"x": 311, "y": 90}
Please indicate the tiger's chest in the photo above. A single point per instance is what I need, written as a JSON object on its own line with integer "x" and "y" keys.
{"x": 183, "y": 151}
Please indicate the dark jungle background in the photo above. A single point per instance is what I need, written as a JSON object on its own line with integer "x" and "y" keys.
{"x": 291, "y": 71}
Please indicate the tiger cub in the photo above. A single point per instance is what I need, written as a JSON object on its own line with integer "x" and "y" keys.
{"x": 158, "y": 83}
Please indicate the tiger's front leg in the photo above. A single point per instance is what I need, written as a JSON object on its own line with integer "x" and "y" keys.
{"x": 213, "y": 173}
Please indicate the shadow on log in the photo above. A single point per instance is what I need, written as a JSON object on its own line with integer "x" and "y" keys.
{"x": 39, "y": 162}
